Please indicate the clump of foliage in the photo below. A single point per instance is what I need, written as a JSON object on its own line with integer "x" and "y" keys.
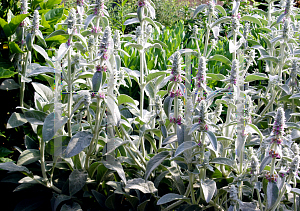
{"x": 203, "y": 129}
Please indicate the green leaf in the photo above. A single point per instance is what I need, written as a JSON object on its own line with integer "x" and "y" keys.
{"x": 77, "y": 180}
{"x": 155, "y": 161}
{"x": 256, "y": 77}
{"x": 28, "y": 156}
{"x": 51, "y": 125}
{"x": 124, "y": 99}
{"x": 56, "y": 33}
{"x": 154, "y": 75}
{"x": 171, "y": 197}
{"x": 54, "y": 15}
{"x": 221, "y": 9}
{"x": 16, "y": 120}
{"x": 215, "y": 77}
{"x": 220, "y": 58}
{"x": 272, "y": 193}
{"x": 4, "y": 152}
{"x": 14, "y": 48}
{"x": 51, "y": 3}
{"x": 251, "y": 19}
{"x": 4, "y": 25}
{"x": 78, "y": 143}
{"x": 15, "y": 22}
{"x": 5, "y": 73}
{"x": 224, "y": 161}
{"x": 97, "y": 80}
{"x": 213, "y": 139}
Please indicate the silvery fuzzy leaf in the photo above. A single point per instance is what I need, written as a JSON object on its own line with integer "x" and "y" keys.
{"x": 114, "y": 110}
{"x": 184, "y": 146}
{"x": 35, "y": 117}
{"x": 82, "y": 39}
{"x": 43, "y": 53}
{"x": 40, "y": 70}
{"x": 224, "y": 161}
{"x": 208, "y": 188}
{"x": 167, "y": 105}
{"x": 9, "y": 84}
{"x": 221, "y": 20}
{"x": 272, "y": 193}
{"x": 155, "y": 161}
{"x": 78, "y": 142}
{"x": 199, "y": 9}
{"x": 77, "y": 180}
{"x": 29, "y": 41}
{"x": 11, "y": 167}
{"x": 216, "y": 31}
{"x": 88, "y": 20}
{"x": 45, "y": 92}
{"x": 63, "y": 49}
{"x": 265, "y": 162}
{"x": 40, "y": 37}
{"x": 74, "y": 207}
{"x": 213, "y": 140}
{"x": 80, "y": 10}
{"x": 57, "y": 32}
{"x": 16, "y": 120}
{"x": 280, "y": 17}
{"x": 28, "y": 156}
{"x": 51, "y": 125}
{"x": 131, "y": 21}
{"x": 235, "y": 7}
{"x": 141, "y": 185}
{"x": 171, "y": 197}
{"x": 115, "y": 165}
{"x": 97, "y": 80}
{"x": 170, "y": 139}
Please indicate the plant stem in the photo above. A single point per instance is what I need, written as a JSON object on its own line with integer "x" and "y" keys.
{"x": 24, "y": 69}
{"x": 70, "y": 96}
{"x": 42, "y": 157}
{"x": 207, "y": 35}
{"x": 96, "y": 131}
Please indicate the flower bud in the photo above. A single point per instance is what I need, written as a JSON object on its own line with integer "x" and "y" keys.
{"x": 294, "y": 166}
{"x": 279, "y": 124}
{"x": 235, "y": 24}
{"x": 117, "y": 43}
{"x": 254, "y": 165}
{"x": 286, "y": 29}
{"x": 289, "y": 7}
{"x": 201, "y": 75}
{"x": 176, "y": 67}
{"x": 105, "y": 43}
{"x": 295, "y": 149}
{"x": 233, "y": 194}
{"x": 24, "y": 7}
{"x": 35, "y": 21}
{"x": 234, "y": 72}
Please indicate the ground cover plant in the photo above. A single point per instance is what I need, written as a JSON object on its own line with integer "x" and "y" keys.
{"x": 200, "y": 116}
